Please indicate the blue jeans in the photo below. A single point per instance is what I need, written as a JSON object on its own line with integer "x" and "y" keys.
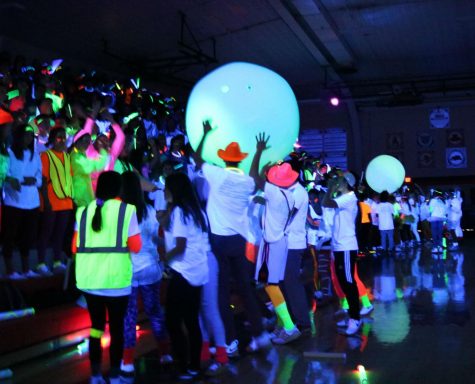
{"x": 387, "y": 235}
{"x": 437, "y": 227}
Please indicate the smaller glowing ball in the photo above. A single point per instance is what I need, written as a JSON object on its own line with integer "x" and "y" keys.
{"x": 385, "y": 173}
{"x": 241, "y": 100}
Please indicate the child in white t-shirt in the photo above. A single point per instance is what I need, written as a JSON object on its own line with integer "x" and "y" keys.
{"x": 385, "y": 212}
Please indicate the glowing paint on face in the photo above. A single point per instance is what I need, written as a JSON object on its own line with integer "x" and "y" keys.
{"x": 255, "y": 100}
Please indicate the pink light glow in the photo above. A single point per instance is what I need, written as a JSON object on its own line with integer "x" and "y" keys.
{"x": 335, "y": 101}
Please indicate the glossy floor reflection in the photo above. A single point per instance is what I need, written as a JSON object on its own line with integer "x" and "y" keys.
{"x": 419, "y": 332}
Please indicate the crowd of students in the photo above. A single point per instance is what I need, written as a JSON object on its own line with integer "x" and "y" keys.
{"x": 136, "y": 203}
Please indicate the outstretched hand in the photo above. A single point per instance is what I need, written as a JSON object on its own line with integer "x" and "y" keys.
{"x": 261, "y": 142}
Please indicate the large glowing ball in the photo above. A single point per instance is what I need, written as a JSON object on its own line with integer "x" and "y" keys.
{"x": 241, "y": 100}
{"x": 385, "y": 173}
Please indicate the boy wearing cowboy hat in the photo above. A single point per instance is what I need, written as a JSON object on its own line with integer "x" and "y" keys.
{"x": 229, "y": 193}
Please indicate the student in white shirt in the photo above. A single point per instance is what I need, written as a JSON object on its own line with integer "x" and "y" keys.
{"x": 186, "y": 241}
{"x": 344, "y": 243}
{"x": 229, "y": 193}
{"x": 271, "y": 262}
{"x": 22, "y": 200}
{"x": 385, "y": 212}
{"x": 438, "y": 214}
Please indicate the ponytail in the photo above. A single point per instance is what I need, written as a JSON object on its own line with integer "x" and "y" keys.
{"x": 97, "y": 218}
{"x": 109, "y": 184}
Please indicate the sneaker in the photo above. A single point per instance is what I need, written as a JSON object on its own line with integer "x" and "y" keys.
{"x": 188, "y": 375}
{"x": 286, "y": 337}
{"x": 59, "y": 267}
{"x": 16, "y": 276}
{"x": 276, "y": 332}
{"x": 366, "y": 310}
{"x": 126, "y": 369}
{"x": 32, "y": 274}
{"x": 97, "y": 380}
{"x": 166, "y": 360}
{"x": 353, "y": 326}
{"x": 342, "y": 323}
{"x": 216, "y": 369}
{"x": 42, "y": 269}
{"x": 341, "y": 312}
{"x": 233, "y": 349}
{"x": 435, "y": 249}
{"x": 115, "y": 380}
{"x": 258, "y": 343}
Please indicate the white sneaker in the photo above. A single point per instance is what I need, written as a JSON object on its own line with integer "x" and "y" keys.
{"x": 232, "y": 349}
{"x": 342, "y": 323}
{"x": 353, "y": 326}
{"x": 341, "y": 311}
{"x": 32, "y": 274}
{"x": 166, "y": 360}
{"x": 42, "y": 269}
{"x": 260, "y": 342}
{"x": 97, "y": 380}
{"x": 366, "y": 310}
{"x": 435, "y": 249}
{"x": 16, "y": 276}
{"x": 127, "y": 368}
{"x": 59, "y": 267}
{"x": 286, "y": 337}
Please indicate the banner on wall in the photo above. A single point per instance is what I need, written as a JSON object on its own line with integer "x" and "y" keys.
{"x": 439, "y": 118}
{"x": 425, "y": 140}
{"x": 456, "y": 157}
{"x": 425, "y": 159}
{"x": 455, "y": 138}
{"x": 394, "y": 141}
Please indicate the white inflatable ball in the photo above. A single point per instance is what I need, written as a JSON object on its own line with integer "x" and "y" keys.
{"x": 241, "y": 100}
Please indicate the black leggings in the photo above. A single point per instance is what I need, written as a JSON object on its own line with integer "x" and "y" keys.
{"x": 182, "y": 308}
{"x": 345, "y": 272}
{"x": 20, "y": 227}
{"x": 116, "y": 307}
{"x": 53, "y": 227}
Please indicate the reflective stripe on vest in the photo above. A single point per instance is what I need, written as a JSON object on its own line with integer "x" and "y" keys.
{"x": 120, "y": 227}
{"x": 60, "y": 175}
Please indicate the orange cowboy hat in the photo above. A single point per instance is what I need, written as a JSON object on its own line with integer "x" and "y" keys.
{"x": 282, "y": 175}
{"x": 232, "y": 153}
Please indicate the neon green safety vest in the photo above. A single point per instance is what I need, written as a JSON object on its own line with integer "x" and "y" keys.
{"x": 102, "y": 258}
{"x": 60, "y": 175}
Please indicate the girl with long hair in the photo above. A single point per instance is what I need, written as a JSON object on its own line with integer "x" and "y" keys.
{"x": 186, "y": 239}
{"x": 22, "y": 199}
{"x": 146, "y": 277}
{"x": 107, "y": 231}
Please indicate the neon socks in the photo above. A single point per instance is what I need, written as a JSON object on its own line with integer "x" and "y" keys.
{"x": 278, "y": 301}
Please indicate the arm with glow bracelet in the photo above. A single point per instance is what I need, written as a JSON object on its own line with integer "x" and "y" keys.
{"x": 117, "y": 145}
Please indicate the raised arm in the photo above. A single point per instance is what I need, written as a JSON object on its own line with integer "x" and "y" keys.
{"x": 328, "y": 201}
{"x": 119, "y": 140}
{"x": 198, "y": 154}
{"x": 261, "y": 146}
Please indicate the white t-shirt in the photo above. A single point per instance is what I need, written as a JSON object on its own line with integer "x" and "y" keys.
{"x": 297, "y": 238}
{"x": 229, "y": 193}
{"x": 279, "y": 204}
{"x": 437, "y": 208}
{"x": 374, "y": 217}
{"x": 193, "y": 263}
{"x": 424, "y": 211}
{"x": 158, "y": 196}
{"x": 344, "y": 235}
{"x": 28, "y": 197}
{"x": 385, "y": 213}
